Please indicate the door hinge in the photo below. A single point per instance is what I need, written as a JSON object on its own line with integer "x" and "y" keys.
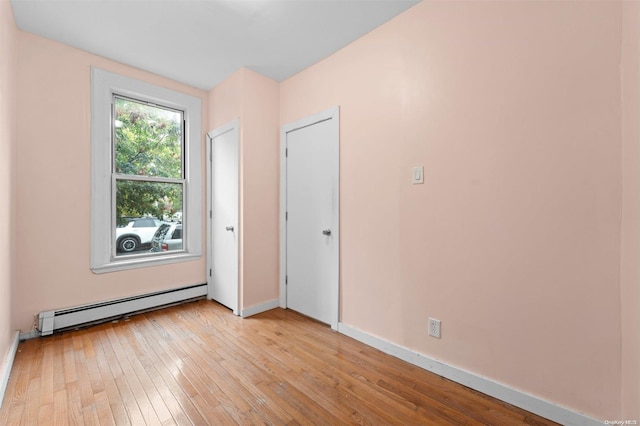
{"x": 209, "y": 271}
{"x": 286, "y": 152}
{"x": 286, "y": 279}
{"x": 210, "y": 214}
{"x": 286, "y": 215}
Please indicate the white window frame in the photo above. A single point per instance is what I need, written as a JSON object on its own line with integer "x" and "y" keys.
{"x": 104, "y": 85}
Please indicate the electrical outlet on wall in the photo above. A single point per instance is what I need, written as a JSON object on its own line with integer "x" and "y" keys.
{"x": 434, "y": 327}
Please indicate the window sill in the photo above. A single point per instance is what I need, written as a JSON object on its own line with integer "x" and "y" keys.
{"x": 144, "y": 262}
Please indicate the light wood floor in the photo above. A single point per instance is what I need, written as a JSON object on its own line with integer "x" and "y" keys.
{"x": 198, "y": 364}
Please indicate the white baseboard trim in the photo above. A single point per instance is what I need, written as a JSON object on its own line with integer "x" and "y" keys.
{"x": 5, "y": 369}
{"x": 263, "y": 307}
{"x": 489, "y": 387}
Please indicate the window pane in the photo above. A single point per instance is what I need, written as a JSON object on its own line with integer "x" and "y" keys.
{"x": 138, "y": 204}
{"x": 147, "y": 139}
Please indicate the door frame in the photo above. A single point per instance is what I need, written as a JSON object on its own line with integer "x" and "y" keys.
{"x": 219, "y": 131}
{"x": 328, "y": 114}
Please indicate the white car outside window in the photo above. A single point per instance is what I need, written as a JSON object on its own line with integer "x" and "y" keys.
{"x": 137, "y": 233}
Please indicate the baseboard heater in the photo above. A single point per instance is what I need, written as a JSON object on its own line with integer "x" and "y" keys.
{"x": 81, "y": 316}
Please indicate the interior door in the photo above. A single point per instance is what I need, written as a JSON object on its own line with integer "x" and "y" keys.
{"x": 223, "y": 214}
{"x": 311, "y": 216}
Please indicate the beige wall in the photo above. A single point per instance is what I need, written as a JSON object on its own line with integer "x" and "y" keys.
{"x": 254, "y": 100}
{"x": 630, "y": 279}
{"x": 261, "y": 187}
{"x": 53, "y": 179}
{"x": 513, "y": 242}
{"x": 8, "y": 68}
{"x": 225, "y": 100}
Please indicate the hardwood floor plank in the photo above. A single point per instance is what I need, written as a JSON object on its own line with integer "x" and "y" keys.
{"x": 177, "y": 384}
{"x": 105, "y": 361}
{"x": 206, "y": 382}
{"x": 91, "y": 363}
{"x": 60, "y": 414}
{"x": 15, "y": 416}
{"x": 332, "y": 384}
{"x": 32, "y": 406}
{"x": 103, "y": 409}
{"x": 241, "y": 376}
{"x": 269, "y": 391}
{"x": 35, "y": 349}
{"x": 130, "y": 405}
{"x": 187, "y": 375}
{"x": 134, "y": 352}
{"x": 145, "y": 358}
{"x": 74, "y": 406}
{"x": 58, "y": 368}
{"x": 46, "y": 378}
{"x": 129, "y": 384}
{"x": 69, "y": 360}
{"x": 304, "y": 404}
{"x": 178, "y": 402}
{"x": 90, "y": 416}
{"x": 343, "y": 381}
{"x": 84, "y": 381}
{"x": 197, "y": 364}
{"x": 45, "y": 414}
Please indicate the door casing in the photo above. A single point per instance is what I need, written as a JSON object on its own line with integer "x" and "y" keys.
{"x": 329, "y": 114}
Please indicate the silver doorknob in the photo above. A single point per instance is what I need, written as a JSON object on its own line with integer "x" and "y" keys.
{"x": 230, "y": 228}
{"x": 326, "y": 232}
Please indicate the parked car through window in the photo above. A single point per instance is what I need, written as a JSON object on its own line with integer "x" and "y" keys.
{"x": 168, "y": 237}
{"x": 136, "y": 233}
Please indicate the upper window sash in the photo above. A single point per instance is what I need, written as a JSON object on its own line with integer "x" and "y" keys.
{"x": 117, "y": 100}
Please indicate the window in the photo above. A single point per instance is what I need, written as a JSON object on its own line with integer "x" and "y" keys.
{"x": 146, "y": 172}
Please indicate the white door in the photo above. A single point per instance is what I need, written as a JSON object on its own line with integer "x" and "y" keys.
{"x": 223, "y": 216}
{"x": 311, "y": 219}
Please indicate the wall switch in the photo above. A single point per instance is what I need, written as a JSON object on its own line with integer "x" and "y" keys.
{"x": 434, "y": 327}
{"x": 417, "y": 175}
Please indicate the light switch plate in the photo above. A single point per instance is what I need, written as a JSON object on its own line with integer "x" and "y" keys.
{"x": 417, "y": 175}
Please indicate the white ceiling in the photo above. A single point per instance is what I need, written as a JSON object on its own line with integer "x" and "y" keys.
{"x": 202, "y": 42}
